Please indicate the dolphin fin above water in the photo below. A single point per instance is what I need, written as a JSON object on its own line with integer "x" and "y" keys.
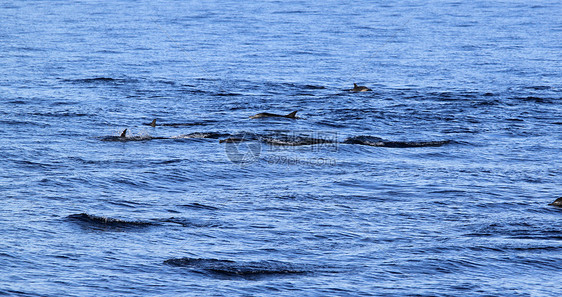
{"x": 357, "y": 88}
{"x": 292, "y": 115}
{"x": 152, "y": 124}
{"x": 123, "y": 134}
{"x": 557, "y": 202}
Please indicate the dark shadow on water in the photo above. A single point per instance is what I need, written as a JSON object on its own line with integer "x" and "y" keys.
{"x": 253, "y": 270}
{"x": 94, "y": 222}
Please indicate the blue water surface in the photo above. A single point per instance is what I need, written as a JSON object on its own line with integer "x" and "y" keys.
{"x": 435, "y": 183}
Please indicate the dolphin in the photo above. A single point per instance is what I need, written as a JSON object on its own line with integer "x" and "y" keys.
{"x": 232, "y": 140}
{"x": 357, "y": 88}
{"x": 557, "y": 202}
{"x": 123, "y": 134}
{"x": 292, "y": 115}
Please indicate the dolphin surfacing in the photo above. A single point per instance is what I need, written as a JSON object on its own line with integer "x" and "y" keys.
{"x": 357, "y": 88}
{"x": 557, "y": 202}
{"x": 123, "y": 134}
{"x": 292, "y": 115}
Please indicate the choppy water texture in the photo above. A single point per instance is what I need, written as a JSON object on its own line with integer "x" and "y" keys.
{"x": 436, "y": 183}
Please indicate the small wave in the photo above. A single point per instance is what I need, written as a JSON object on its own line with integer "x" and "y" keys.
{"x": 96, "y": 222}
{"x": 190, "y": 222}
{"x": 226, "y": 94}
{"x": 165, "y": 162}
{"x": 196, "y": 205}
{"x": 60, "y": 114}
{"x": 36, "y": 164}
{"x": 312, "y": 87}
{"x": 379, "y": 142}
{"x": 97, "y": 80}
{"x": 534, "y": 99}
{"x": 16, "y": 102}
{"x": 539, "y": 88}
{"x": 242, "y": 269}
{"x": 518, "y": 230}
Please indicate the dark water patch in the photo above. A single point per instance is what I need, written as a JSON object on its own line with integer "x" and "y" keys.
{"x": 196, "y": 205}
{"x": 248, "y": 270}
{"x": 468, "y": 95}
{"x": 312, "y": 87}
{"x": 379, "y": 142}
{"x": 221, "y": 94}
{"x": 538, "y": 88}
{"x": 167, "y": 82}
{"x": 23, "y": 123}
{"x": 128, "y": 182}
{"x": 333, "y": 124}
{"x": 492, "y": 102}
{"x": 460, "y": 130}
{"x": 131, "y": 138}
{"x": 518, "y": 230}
{"x": 60, "y": 114}
{"x": 165, "y": 162}
{"x": 439, "y": 266}
{"x": 185, "y": 222}
{"x": 99, "y": 80}
{"x": 106, "y": 223}
{"x": 36, "y": 164}
{"x": 443, "y": 96}
{"x": 198, "y": 92}
{"x": 481, "y": 248}
{"x": 534, "y": 99}
{"x": 537, "y": 248}
{"x": 5, "y": 255}
{"x": 16, "y": 102}
{"x": 64, "y": 103}
{"x": 18, "y": 293}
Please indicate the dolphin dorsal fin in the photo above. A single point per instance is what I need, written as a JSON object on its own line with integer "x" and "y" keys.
{"x": 355, "y": 85}
{"x": 153, "y": 123}
{"x": 292, "y": 114}
{"x": 123, "y": 134}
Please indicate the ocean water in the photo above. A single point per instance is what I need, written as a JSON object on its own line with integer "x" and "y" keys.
{"x": 435, "y": 183}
